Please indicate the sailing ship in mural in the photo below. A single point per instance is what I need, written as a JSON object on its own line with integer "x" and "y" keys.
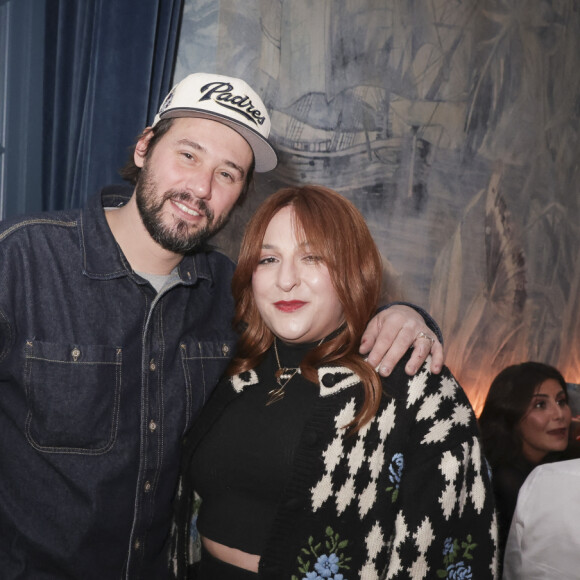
{"x": 360, "y": 110}
{"x": 453, "y": 125}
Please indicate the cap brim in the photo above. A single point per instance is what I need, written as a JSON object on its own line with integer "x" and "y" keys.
{"x": 264, "y": 155}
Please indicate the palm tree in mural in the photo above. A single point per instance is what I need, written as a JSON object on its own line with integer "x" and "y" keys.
{"x": 523, "y": 115}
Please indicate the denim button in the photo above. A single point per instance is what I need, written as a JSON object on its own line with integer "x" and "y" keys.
{"x": 147, "y": 487}
{"x": 152, "y": 365}
{"x": 225, "y": 349}
{"x": 152, "y": 426}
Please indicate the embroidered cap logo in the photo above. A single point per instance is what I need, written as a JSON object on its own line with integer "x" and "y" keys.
{"x": 229, "y": 101}
{"x": 221, "y": 94}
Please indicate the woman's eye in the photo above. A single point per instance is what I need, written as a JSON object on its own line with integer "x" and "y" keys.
{"x": 268, "y": 260}
{"x": 312, "y": 259}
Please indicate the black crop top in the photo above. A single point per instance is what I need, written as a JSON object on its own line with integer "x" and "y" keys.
{"x": 241, "y": 466}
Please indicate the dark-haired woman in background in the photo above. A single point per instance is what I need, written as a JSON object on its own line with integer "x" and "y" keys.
{"x": 525, "y": 421}
{"x": 308, "y": 464}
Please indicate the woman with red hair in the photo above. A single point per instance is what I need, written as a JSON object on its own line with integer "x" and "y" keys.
{"x": 307, "y": 463}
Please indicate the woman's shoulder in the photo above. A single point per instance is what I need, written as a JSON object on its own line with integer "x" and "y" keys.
{"x": 423, "y": 383}
{"x": 434, "y": 405}
{"x": 423, "y": 388}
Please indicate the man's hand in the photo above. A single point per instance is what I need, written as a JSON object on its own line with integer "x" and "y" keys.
{"x": 389, "y": 335}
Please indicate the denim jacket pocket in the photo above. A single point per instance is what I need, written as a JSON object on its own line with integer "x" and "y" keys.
{"x": 204, "y": 362}
{"x": 73, "y": 396}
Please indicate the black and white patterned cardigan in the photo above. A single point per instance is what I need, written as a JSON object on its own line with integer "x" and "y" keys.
{"x": 408, "y": 496}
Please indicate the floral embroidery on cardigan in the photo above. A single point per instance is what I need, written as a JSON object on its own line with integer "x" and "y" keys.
{"x": 327, "y": 564}
{"x": 395, "y": 472}
{"x": 451, "y": 551}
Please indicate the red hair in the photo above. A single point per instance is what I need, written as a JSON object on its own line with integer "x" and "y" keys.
{"x": 335, "y": 230}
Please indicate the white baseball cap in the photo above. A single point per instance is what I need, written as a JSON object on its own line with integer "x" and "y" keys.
{"x": 228, "y": 100}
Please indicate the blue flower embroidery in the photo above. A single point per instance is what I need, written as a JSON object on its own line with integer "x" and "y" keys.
{"x": 459, "y": 571}
{"x": 448, "y": 547}
{"x": 327, "y": 566}
{"x": 315, "y": 576}
{"x": 452, "y": 550}
{"x": 395, "y": 472}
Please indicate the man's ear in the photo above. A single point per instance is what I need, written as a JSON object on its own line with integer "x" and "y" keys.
{"x": 142, "y": 147}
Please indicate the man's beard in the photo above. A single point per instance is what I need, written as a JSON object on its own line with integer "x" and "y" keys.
{"x": 178, "y": 237}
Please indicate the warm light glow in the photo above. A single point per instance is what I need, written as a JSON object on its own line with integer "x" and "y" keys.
{"x": 477, "y": 388}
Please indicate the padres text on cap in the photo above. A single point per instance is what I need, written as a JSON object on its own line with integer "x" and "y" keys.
{"x": 228, "y": 100}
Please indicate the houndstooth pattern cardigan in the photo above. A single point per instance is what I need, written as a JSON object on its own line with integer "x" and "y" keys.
{"x": 408, "y": 496}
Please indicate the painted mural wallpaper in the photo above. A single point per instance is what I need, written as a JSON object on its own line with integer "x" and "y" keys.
{"x": 454, "y": 126}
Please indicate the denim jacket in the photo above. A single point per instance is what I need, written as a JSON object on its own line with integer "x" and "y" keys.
{"x": 100, "y": 377}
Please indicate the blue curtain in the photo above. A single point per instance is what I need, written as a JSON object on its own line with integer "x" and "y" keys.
{"x": 108, "y": 64}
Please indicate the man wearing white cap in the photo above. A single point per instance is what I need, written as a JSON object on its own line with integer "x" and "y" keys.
{"x": 115, "y": 325}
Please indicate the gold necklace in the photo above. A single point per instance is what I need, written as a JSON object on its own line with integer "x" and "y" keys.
{"x": 283, "y": 376}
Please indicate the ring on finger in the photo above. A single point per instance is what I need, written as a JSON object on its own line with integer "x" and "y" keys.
{"x": 423, "y": 335}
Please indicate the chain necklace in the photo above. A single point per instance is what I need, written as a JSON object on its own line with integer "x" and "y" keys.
{"x": 283, "y": 376}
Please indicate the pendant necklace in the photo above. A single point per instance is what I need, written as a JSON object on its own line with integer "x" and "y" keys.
{"x": 283, "y": 376}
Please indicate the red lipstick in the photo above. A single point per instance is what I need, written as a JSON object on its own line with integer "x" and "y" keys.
{"x": 289, "y": 305}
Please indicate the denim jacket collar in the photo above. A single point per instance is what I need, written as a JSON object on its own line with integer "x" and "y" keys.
{"x": 106, "y": 260}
